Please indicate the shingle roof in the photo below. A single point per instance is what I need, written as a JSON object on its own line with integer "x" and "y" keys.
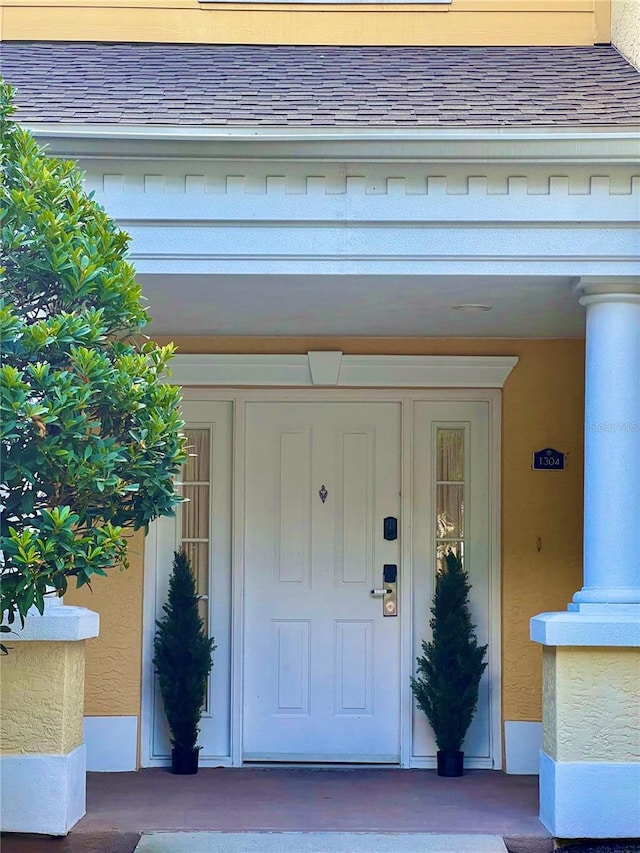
{"x": 245, "y": 85}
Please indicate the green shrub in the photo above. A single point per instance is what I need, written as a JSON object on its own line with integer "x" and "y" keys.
{"x": 182, "y": 656}
{"x": 451, "y": 666}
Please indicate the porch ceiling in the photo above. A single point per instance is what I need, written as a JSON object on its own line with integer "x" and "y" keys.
{"x": 384, "y": 306}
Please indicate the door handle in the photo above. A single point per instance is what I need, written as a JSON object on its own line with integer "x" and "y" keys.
{"x": 389, "y": 590}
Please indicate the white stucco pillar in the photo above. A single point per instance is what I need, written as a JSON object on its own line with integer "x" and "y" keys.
{"x": 590, "y": 757}
{"x": 42, "y": 750}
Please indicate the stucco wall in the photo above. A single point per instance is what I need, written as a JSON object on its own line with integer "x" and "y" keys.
{"x": 592, "y": 712}
{"x": 542, "y": 511}
{"x": 625, "y": 28}
{"x": 113, "y": 662}
{"x": 41, "y": 682}
{"x": 460, "y": 22}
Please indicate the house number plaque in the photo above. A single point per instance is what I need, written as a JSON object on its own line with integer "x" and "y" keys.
{"x": 549, "y": 460}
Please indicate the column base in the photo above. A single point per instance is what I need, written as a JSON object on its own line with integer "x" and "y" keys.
{"x": 580, "y": 799}
{"x": 43, "y": 794}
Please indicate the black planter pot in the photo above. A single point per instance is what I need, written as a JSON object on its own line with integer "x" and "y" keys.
{"x": 184, "y": 762}
{"x": 450, "y": 762}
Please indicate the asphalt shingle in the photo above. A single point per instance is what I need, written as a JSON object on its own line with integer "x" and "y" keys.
{"x": 247, "y": 85}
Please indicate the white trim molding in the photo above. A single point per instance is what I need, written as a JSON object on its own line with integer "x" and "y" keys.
{"x": 557, "y": 145}
{"x": 54, "y": 785}
{"x": 343, "y": 371}
{"x": 522, "y": 745}
{"x": 112, "y": 743}
{"x": 577, "y": 798}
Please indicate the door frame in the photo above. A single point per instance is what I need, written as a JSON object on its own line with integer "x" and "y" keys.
{"x": 405, "y": 374}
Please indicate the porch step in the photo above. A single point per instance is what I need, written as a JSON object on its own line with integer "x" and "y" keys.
{"x": 317, "y": 842}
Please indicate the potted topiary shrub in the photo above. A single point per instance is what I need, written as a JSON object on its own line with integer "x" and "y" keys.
{"x": 450, "y": 668}
{"x": 182, "y": 660}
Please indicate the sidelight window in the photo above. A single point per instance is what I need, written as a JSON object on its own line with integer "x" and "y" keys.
{"x": 450, "y": 492}
{"x": 194, "y": 515}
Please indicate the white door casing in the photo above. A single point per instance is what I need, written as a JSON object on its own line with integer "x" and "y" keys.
{"x": 215, "y": 420}
{"x": 415, "y": 751}
{"x": 471, "y": 419}
{"x": 321, "y": 661}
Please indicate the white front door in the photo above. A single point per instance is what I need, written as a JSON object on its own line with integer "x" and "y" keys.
{"x": 321, "y": 661}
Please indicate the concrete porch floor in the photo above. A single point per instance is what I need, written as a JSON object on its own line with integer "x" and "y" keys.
{"x": 122, "y": 805}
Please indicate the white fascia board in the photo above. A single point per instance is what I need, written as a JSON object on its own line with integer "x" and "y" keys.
{"x": 319, "y": 133}
{"x": 610, "y": 144}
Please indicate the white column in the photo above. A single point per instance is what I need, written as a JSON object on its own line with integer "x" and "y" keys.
{"x": 612, "y": 446}
{"x": 589, "y": 768}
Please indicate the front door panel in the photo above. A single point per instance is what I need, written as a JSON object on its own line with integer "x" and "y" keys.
{"x": 321, "y": 661}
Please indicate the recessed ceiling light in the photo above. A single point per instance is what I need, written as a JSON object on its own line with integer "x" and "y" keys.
{"x": 472, "y": 308}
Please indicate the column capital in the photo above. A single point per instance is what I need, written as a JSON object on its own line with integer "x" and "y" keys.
{"x": 59, "y": 623}
{"x": 600, "y": 288}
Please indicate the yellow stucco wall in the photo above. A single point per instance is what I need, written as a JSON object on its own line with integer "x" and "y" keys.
{"x": 549, "y": 709}
{"x": 542, "y": 511}
{"x": 592, "y": 704}
{"x": 541, "y": 516}
{"x": 42, "y": 682}
{"x": 462, "y": 22}
{"x": 114, "y": 659}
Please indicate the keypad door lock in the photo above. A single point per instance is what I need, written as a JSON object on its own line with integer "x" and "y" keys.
{"x": 389, "y": 590}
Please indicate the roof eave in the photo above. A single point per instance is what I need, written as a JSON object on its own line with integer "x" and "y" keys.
{"x": 566, "y": 144}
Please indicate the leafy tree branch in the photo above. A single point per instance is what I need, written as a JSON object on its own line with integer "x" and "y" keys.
{"x": 90, "y": 436}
